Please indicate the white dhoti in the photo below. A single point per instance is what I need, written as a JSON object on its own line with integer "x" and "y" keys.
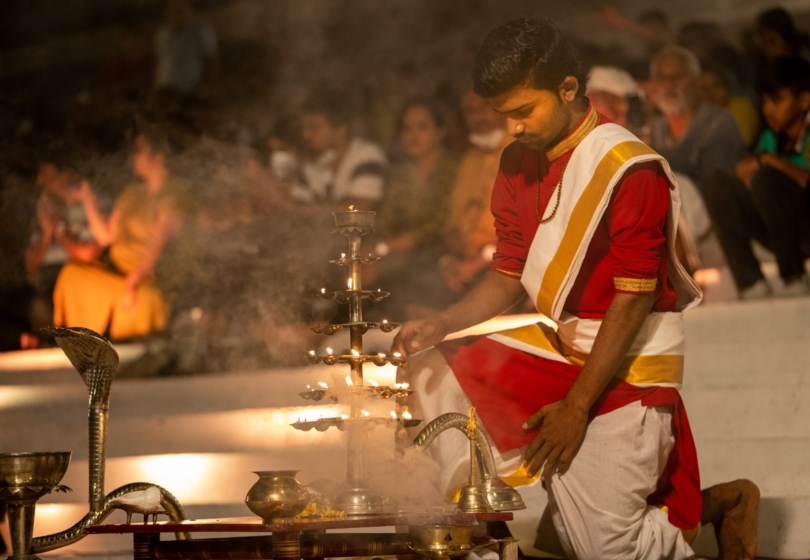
{"x": 599, "y": 507}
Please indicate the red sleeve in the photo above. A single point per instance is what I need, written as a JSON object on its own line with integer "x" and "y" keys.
{"x": 637, "y": 224}
{"x": 511, "y": 250}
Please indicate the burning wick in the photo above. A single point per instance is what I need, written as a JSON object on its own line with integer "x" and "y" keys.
{"x": 373, "y": 383}
{"x": 355, "y": 353}
{"x": 381, "y": 354}
{"x": 322, "y": 384}
{"x": 329, "y": 351}
{"x": 405, "y": 385}
{"x": 309, "y": 387}
{"x": 350, "y": 283}
{"x": 323, "y": 290}
{"x": 365, "y": 413}
{"x": 407, "y": 415}
{"x": 312, "y": 352}
{"x": 397, "y": 355}
{"x": 393, "y": 415}
{"x": 343, "y": 255}
{"x": 349, "y": 381}
{"x": 351, "y": 208}
{"x": 385, "y": 321}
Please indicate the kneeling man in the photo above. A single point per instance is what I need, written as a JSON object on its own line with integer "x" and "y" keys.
{"x": 586, "y": 217}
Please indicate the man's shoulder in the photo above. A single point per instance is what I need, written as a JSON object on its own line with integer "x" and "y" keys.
{"x": 365, "y": 151}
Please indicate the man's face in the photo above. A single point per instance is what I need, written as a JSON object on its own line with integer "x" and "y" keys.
{"x": 611, "y": 105}
{"x": 318, "y": 133}
{"x": 784, "y": 107}
{"x": 713, "y": 89}
{"x": 478, "y": 114}
{"x": 536, "y": 117}
{"x": 674, "y": 88}
{"x": 773, "y": 45}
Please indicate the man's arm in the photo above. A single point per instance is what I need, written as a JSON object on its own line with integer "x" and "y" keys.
{"x": 564, "y": 423}
{"x": 495, "y": 294}
{"x": 792, "y": 170}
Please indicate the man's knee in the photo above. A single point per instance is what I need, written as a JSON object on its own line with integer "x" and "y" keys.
{"x": 771, "y": 189}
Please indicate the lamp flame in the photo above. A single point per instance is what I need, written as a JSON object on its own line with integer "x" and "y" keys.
{"x": 397, "y": 355}
{"x": 365, "y": 413}
{"x": 349, "y": 381}
{"x": 322, "y": 384}
{"x": 393, "y": 414}
{"x": 351, "y": 208}
{"x": 373, "y": 383}
{"x": 355, "y": 353}
{"x": 407, "y": 415}
{"x": 350, "y": 283}
{"x": 329, "y": 351}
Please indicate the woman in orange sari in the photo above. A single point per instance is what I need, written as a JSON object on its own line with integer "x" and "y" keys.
{"x": 119, "y": 297}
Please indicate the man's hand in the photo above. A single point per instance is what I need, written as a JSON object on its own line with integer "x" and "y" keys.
{"x": 562, "y": 429}
{"x": 417, "y": 335}
{"x": 746, "y": 168}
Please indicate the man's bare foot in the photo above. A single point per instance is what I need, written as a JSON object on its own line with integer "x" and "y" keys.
{"x": 732, "y": 508}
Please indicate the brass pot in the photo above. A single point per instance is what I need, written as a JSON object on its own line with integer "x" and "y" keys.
{"x": 276, "y": 495}
{"x": 441, "y": 538}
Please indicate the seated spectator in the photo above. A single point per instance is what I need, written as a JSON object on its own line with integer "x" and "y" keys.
{"x": 614, "y": 93}
{"x": 771, "y": 206}
{"x": 343, "y": 168}
{"x": 716, "y": 88}
{"x": 415, "y": 207}
{"x": 186, "y": 51}
{"x": 470, "y": 232}
{"x": 118, "y": 295}
{"x": 698, "y": 139}
{"x": 778, "y": 35}
{"x": 62, "y": 234}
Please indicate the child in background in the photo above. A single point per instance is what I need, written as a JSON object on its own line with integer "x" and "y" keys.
{"x": 776, "y": 177}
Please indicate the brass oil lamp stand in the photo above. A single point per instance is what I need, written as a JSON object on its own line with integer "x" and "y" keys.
{"x": 356, "y": 498}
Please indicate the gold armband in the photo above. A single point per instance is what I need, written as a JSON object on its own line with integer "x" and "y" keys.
{"x": 635, "y": 284}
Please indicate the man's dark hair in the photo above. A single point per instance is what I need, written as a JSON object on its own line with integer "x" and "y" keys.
{"x": 787, "y": 72}
{"x": 780, "y": 21}
{"x": 332, "y": 104}
{"x": 525, "y": 52}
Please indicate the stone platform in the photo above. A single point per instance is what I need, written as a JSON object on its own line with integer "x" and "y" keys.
{"x": 747, "y": 392}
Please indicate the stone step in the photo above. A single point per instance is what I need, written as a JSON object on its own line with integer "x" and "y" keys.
{"x": 752, "y": 344}
{"x": 748, "y": 412}
{"x": 780, "y": 467}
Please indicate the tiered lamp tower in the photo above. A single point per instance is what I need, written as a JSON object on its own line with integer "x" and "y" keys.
{"x": 356, "y": 498}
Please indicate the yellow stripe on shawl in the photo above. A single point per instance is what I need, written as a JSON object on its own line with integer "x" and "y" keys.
{"x": 581, "y": 217}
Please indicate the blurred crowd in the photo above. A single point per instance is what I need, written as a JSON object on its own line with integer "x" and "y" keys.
{"x": 147, "y": 216}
